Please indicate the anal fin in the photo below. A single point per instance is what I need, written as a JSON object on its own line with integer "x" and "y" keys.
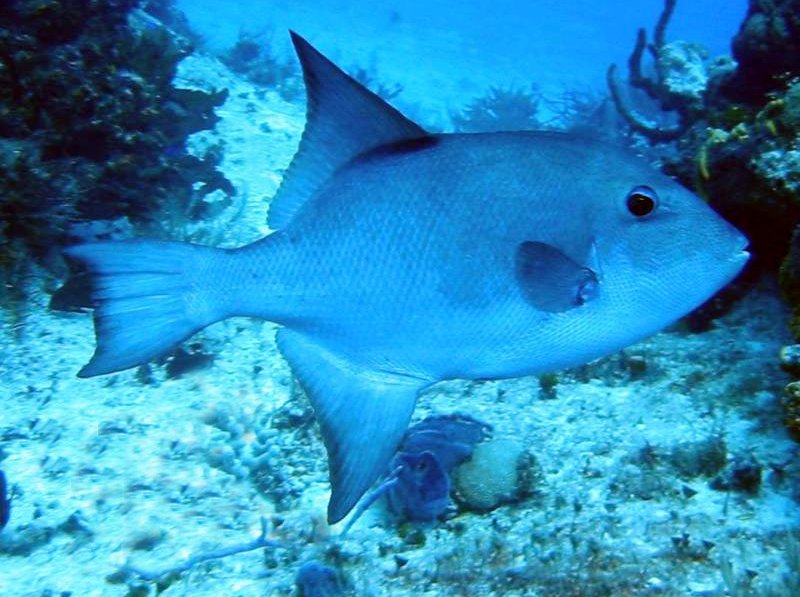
{"x": 362, "y": 414}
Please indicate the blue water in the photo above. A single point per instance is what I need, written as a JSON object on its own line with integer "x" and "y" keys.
{"x": 517, "y": 41}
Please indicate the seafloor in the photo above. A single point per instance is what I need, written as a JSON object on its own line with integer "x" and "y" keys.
{"x": 149, "y": 470}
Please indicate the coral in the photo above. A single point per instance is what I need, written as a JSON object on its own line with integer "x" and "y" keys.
{"x": 499, "y": 471}
{"x": 91, "y": 127}
{"x": 766, "y": 48}
{"x": 789, "y": 278}
{"x": 791, "y": 409}
{"x": 781, "y": 167}
{"x": 429, "y": 452}
{"x": 669, "y": 89}
{"x": 422, "y": 491}
{"x": 500, "y": 110}
{"x": 252, "y": 56}
{"x": 170, "y": 15}
{"x": 790, "y": 359}
{"x": 548, "y": 386}
{"x": 254, "y": 445}
{"x": 683, "y": 70}
{"x": 574, "y": 109}
{"x": 180, "y": 362}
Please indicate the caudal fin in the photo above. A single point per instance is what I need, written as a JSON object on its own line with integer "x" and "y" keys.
{"x": 148, "y": 296}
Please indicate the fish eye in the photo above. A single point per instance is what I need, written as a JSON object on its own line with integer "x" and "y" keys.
{"x": 641, "y": 201}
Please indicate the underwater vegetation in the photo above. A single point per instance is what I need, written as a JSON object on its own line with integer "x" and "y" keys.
{"x": 500, "y": 110}
{"x": 92, "y": 130}
{"x": 519, "y": 109}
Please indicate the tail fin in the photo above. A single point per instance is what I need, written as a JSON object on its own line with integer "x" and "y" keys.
{"x": 148, "y": 296}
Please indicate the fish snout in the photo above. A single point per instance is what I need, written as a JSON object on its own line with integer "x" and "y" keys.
{"x": 739, "y": 245}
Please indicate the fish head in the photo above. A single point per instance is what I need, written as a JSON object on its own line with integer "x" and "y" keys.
{"x": 658, "y": 250}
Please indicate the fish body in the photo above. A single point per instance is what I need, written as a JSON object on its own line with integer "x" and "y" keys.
{"x": 402, "y": 258}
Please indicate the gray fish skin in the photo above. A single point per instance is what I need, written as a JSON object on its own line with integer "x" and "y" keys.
{"x": 403, "y": 258}
{"x": 406, "y": 261}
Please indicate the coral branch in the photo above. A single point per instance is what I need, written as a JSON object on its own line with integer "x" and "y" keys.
{"x": 634, "y": 120}
{"x": 635, "y": 76}
{"x": 154, "y": 575}
{"x": 654, "y": 88}
{"x": 370, "y": 499}
{"x": 661, "y": 25}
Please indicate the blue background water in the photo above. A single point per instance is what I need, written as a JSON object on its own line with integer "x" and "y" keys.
{"x": 542, "y": 41}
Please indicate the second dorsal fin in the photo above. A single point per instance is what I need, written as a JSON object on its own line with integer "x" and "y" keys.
{"x": 343, "y": 120}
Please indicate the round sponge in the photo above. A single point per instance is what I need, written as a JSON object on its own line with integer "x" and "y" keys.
{"x": 500, "y": 471}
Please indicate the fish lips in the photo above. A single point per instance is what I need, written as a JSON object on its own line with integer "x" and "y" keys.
{"x": 741, "y": 253}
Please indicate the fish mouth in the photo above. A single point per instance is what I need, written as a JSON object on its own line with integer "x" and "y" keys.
{"x": 739, "y": 260}
{"x": 741, "y": 252}
{"x": 741, "y": 255}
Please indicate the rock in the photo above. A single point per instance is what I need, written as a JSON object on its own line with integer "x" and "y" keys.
{"x": 315, "y": 579}
{"x": 742, "y": 474}
{"x": 500, "y": 471}
{"x": 146, "y": 539}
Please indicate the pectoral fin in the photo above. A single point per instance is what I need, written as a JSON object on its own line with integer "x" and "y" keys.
{"x": 550, "y": 280}
{"x": 362, "y": 414}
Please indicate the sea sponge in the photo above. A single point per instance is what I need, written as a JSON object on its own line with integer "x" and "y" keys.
{"x": 683, "y": 67}
{"x": 500, "y": 471}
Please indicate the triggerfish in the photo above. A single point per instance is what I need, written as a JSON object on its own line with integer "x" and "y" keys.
{"x": 401, "y": 258}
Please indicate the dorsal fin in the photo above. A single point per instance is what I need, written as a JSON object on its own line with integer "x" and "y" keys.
{"x": 343, "y": 120}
